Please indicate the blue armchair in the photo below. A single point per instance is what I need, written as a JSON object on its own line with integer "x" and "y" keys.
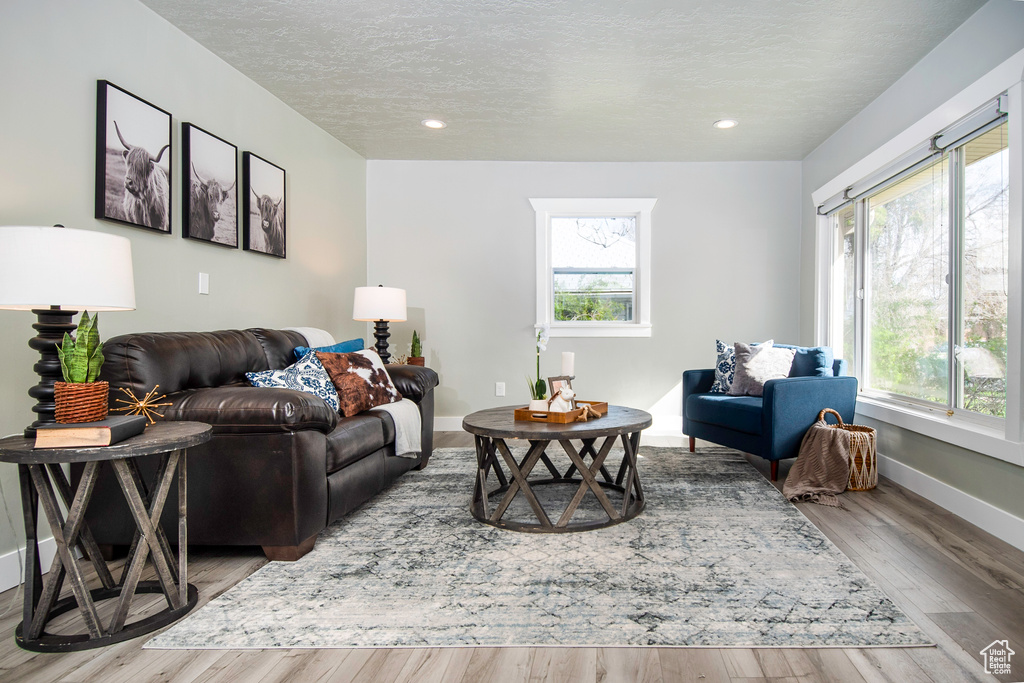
{"x": 771, "y": 426}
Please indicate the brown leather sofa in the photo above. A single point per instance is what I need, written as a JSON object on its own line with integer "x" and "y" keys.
{"x": 282, "y": 464}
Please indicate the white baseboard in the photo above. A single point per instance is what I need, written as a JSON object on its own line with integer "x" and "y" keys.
{"x": 995, "y": 521}
{"x": 12, "y": 564}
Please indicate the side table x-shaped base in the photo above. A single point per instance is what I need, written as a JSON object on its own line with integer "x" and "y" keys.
{"x": 42, "y": 479}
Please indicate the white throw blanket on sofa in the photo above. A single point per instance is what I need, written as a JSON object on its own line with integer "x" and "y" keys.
{"x": 406, "y": 416}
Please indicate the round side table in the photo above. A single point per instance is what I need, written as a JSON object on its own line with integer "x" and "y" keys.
{"x": 41, "y": 473}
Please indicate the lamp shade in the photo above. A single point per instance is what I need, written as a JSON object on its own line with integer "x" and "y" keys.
{"x": 379, "y": 303}
{"x": 79, "y": 270}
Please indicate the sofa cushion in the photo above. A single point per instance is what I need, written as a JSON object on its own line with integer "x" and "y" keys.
{"x": 306, "y": 375}
{"x": 741, "y": 413}
{"x": 354, "y": 438}
{"x": 387, "y": 422}
{"x": 361, "y": 380}
{"x": 180, "y": 360}
{"x": 810, "y": 361}
{"x": 242, "y": 409}
{"x": 278, "y": 345}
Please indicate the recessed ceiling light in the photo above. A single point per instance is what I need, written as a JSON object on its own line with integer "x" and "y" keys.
{"x": 725, "y": 123}
{"x": 434, "y": 123}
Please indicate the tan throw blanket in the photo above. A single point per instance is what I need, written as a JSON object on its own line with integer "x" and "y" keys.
{"x": 822, "y": 467}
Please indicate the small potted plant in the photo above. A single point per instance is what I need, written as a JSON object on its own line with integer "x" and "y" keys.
{"x": 415, "y": 351}
{"x": 80, "y": 397}
{"x": 538, "y": 389}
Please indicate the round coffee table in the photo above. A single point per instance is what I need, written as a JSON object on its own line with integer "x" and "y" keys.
{"x": 492, "y": 427}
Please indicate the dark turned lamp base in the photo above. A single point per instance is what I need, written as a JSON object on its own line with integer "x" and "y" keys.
{"x": 381, "y": 334}
{"x": 51, "y": 325}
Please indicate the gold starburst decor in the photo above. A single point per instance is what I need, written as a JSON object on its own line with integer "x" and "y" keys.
{"x": 146, "y": 405}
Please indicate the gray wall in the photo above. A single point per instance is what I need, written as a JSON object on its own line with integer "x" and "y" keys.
{"x": 989, "y": 37}
{"x": 459, "y": 236}
{"x": 53, "y": 52}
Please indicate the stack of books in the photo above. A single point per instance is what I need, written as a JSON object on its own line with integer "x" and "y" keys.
{"x": 85, "y": 434}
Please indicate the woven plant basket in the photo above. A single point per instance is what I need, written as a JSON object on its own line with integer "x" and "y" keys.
{"x": 863, "y": 453}
{"x": 80, "y": 402}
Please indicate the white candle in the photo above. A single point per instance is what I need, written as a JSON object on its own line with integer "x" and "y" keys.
{"x": 568, "y": 363}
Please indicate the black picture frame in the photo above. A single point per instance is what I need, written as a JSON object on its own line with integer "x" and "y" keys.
{"x": 209, "y": 205}
{"x": 265, "y": 226}
{"x": 133, "y": 179}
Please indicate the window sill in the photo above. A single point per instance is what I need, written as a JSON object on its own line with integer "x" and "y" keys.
{"x": 937, "y": 425}
{"x": 607, "y": 330}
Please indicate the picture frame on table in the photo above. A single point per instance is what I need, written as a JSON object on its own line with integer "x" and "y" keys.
{"x": 209, "y": 197}
{"x": 556, "y": 383}
{"x": 265, "y": 227}
{"x": 133, "y": 160}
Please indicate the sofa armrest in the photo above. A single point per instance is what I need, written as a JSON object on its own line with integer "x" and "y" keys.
{"x": 791, "y": 406}
{"x": 697, "y": 382}
{"x": 241, "y": 409}
{"x": 412, "y": 381}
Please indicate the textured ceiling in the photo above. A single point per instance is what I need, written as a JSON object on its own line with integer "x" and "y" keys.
{"x": 573, "y": 80}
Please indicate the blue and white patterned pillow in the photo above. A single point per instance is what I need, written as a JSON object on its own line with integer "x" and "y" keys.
{"x": 725, "y": 367}
{"x": 306, "y": 375}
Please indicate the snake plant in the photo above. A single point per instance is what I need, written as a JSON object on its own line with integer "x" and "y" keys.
{"x": 417, "y": 348}
{"x": 81, "y": 357}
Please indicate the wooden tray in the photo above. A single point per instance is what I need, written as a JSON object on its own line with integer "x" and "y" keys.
{"x": 527, "y": 415}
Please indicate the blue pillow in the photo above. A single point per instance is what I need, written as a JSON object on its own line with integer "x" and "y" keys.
{"x": 307, "y": 375}
{"x": 811, "y": 361}
{"x": 341, "y": 347}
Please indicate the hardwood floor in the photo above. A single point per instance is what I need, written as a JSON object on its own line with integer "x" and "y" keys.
{"x": 963, "y": 586}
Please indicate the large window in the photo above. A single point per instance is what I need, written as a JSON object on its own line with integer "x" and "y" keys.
{"x": 593, "y": 266}
{"x": 920, "y": 279}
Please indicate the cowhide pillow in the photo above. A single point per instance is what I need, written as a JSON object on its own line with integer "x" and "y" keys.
{"x": 361, "y": 380}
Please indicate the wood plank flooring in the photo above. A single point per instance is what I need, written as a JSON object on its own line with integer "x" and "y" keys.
{"x": 963, "y": 586}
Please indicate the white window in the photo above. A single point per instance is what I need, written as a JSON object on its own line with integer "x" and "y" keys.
{"x": 920, "y": 279}
{"x": 594, "y": 266}
{"x": 921, "y": 269}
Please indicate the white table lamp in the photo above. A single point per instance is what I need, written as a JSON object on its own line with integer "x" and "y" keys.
{"x": 380, "y": 305}
{"x": 55, "y": 273}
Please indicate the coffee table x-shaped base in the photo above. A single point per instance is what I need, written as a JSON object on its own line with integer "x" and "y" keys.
{"x": 594, "y": 478}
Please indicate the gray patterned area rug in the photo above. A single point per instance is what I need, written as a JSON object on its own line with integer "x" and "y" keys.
{"x": 718, "y": 559}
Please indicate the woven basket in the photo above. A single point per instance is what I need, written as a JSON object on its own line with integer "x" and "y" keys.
{"x": 80, "y": 402}
{"x": 863, "y": 454}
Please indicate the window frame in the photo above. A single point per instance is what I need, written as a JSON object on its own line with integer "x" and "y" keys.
{"x": 547, "y": 208}
{"x": 1004, "y": 440}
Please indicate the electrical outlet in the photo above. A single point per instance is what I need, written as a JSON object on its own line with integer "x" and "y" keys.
{"x": 499, "y": 388}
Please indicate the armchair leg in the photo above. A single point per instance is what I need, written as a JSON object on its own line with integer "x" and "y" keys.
{"x": 775, "y": 470}
{"x": 693, "y": 444}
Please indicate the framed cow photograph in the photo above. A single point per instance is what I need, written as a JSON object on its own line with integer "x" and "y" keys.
{"x": 133, "y": 160}
{"x": 264, "y": 206}
{"x": 209, "y": 197}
